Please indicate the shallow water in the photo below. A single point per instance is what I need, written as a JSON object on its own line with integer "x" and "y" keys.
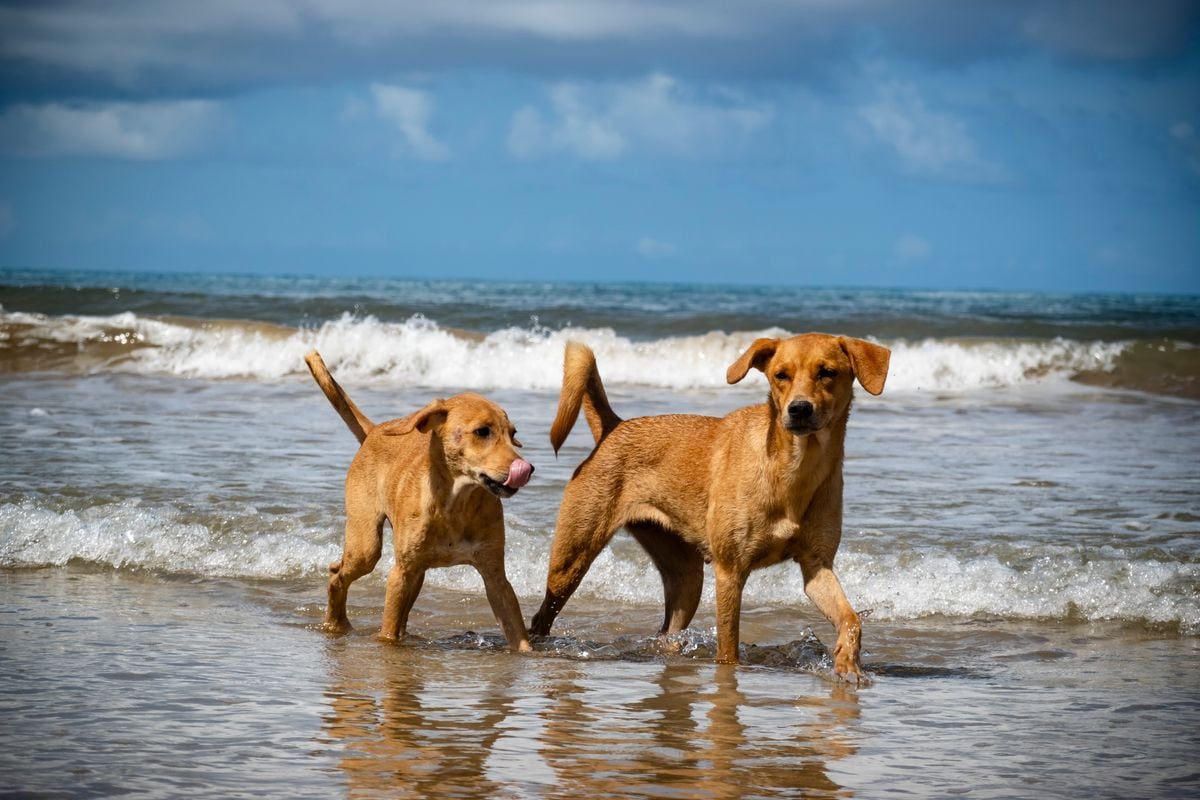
{"x": 1025, "y": 536}
{"x": 133, "y": 683}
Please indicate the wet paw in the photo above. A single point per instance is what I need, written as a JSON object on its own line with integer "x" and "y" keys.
{"x": 852, "y": 678}
{"x": 337, "y": 628}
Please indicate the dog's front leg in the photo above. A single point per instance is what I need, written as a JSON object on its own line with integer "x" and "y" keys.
{"x": 825, "y": 590}
{"x": 730, "y": 582}
{"x": 505, "y": 606}
{"x": 403, "y": 585}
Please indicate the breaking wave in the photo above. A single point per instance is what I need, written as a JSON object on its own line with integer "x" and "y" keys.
{"x": 1048, "y": 581}
{"x": 420, "y": 352}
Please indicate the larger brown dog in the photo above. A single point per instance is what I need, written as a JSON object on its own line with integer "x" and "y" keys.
{"x": 746, "y": 491}
{"x": 437, "y": 476}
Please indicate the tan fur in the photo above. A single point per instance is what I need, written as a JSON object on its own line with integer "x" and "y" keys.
{"x": 749, "y": 490}
{"x": 427, "y": 475}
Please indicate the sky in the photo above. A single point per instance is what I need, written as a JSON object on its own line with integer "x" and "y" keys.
{"x": 1018, "y": 144}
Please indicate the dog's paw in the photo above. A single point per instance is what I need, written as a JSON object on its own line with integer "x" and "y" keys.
{"x": 853, "y": 677}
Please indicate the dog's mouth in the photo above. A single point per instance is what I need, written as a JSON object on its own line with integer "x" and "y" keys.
{"x": 803, "y": 427}
{"x": 496, "y": 487}
{"x": 518, "y": 475}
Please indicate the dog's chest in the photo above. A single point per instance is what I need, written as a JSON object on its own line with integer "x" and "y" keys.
{"x": 453, "y": 533}
{"x": 448, "y": 545}
{"x": 773, "y": 542}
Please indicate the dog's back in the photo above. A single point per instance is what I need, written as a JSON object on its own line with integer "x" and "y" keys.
{"x": 644, "y": 468}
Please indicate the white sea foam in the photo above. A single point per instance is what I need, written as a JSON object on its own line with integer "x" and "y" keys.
{"x": 129, "y": 536}
{"x": 1057, "y": 582}
{"x": 419, "y": 352}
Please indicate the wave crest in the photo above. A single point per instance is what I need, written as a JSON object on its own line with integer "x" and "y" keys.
{"x": 1055, "y": 582}
{"x": 419, "y": 352}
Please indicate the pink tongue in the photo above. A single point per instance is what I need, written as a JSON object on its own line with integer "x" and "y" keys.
{"x": 518, "y": 474}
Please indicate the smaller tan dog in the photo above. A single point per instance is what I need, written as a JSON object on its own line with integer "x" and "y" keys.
{"x": 759, "y": 486}
{"x": 437, "y": 476}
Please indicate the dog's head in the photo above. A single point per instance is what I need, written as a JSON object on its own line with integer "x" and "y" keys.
{"x": 477, "y": 439}
{"x": 812, "y": 376}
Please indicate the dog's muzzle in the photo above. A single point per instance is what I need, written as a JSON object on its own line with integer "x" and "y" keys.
{"x": 801, "y": 417}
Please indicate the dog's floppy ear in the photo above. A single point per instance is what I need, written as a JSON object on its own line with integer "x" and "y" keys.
{"x": 428, "y": 417}
{"x": 870, "y": 362}
{"x": 756, "y": 356}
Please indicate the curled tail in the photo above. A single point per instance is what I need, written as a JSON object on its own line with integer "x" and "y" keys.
{"x": 355, "y": 420}
{"x": 581, "y": 387}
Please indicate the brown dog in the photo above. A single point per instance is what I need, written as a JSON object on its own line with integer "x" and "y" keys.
{"x": 746, "y": 491}
{"x": 437, "y": 476}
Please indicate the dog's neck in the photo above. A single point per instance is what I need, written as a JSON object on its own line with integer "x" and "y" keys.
{"x": 449, "y": 486}
{"x": 442, "y": 479}
{"x": 795, "y": 458}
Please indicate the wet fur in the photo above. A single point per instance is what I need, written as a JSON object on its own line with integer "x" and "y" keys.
{"x": 428, "y": 476}
{"x": 759, "y": 486}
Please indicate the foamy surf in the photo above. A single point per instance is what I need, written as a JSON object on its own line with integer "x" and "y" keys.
{"x": 128, "y": 535}
{"x": 1049, "y": 582}
{"x": 420, "y": 352}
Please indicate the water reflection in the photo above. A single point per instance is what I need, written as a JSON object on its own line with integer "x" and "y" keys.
{"x": 422, "y": 722}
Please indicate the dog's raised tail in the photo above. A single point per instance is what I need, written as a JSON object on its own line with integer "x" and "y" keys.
{"x": 581, "y": 387}
{"x": 355, "y": 420}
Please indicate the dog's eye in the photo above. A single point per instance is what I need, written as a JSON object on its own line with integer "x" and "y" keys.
{"x": 825, "y": 373}
{"x": 781, "y": 376}
{"x": 483, "y": 431}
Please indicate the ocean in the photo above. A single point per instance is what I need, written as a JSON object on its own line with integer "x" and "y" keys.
{"x": 1022, "y": 523}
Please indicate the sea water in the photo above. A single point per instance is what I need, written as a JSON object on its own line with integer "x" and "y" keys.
{"x": 1021, "y": 521}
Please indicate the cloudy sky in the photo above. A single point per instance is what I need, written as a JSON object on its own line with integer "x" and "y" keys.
{"x": 1050, "y": 145}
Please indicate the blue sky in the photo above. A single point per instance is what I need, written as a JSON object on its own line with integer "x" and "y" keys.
{"x": 948, "y": 144}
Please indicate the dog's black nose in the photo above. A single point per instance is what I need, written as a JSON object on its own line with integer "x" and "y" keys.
{"x": 800, "y": 409}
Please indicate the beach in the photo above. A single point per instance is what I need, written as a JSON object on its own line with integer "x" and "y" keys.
{"x": 1021, "y": 521}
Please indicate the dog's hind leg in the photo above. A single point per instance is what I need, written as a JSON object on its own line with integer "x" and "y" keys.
{"x": 403, "y": 586}
{"x": 578, "y": 539}
{"x": 364, "y": 543}
{"x": 682, "y": 569}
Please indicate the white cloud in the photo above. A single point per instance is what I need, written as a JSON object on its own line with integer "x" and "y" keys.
{"x": 911, "y": 247}
{"x": 649, "y": 247}
{"x": 409, "y": 111}
{"x": 927, "y": 142}
{"x": 658, "y": 113}
{"x": 370, "y": 21}
{"x": 160, "y": 47}
{"x": 136, "y": 131}
{"x": 574, "y": 128}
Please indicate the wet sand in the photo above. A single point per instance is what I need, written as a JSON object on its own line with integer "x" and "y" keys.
{"x": 133, "y": 683}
